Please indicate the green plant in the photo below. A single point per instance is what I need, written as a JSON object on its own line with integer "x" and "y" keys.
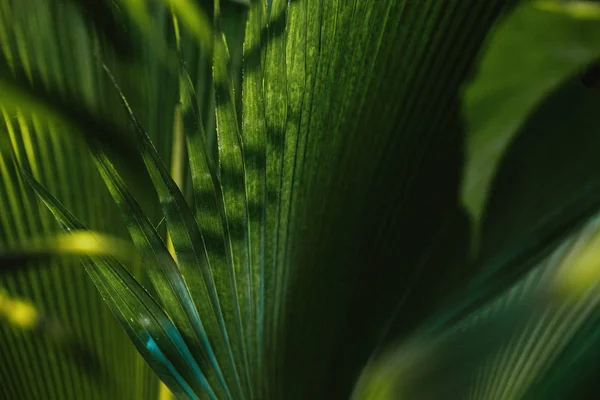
{"x": 384, "y": 199}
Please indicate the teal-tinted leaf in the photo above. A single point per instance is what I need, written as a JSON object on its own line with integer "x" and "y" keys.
{"x": 154, "y": 335}
{"x": 191, "y": 254}
{"x": 162, "y": 269}
{"x": 151, "y": 330}
{"x": 530, "y": 53}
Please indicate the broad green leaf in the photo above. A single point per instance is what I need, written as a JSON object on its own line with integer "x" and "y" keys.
{"x": 530, "y": 53}
{"x": 543, "y": 190}
{"x": 326, "y": 221}
{"x": 275, "y": 141}
{"x": 362, "y": 169}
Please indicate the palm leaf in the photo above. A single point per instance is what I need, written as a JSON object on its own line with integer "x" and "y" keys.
{"x": 318, "y": 217}
{"x": 152, "y": 331}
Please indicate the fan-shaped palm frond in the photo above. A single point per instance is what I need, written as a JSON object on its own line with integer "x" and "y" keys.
{"x": 274, "y": 194}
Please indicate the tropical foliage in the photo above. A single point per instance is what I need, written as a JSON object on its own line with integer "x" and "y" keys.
{"x": 299, "y": 199}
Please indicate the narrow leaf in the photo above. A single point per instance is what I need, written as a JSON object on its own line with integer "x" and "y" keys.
{"x": 163, "y": 270}
{"x": 212, "y": 224}
{"x": 191, "y": 254}
{"x": 151, "y": 330}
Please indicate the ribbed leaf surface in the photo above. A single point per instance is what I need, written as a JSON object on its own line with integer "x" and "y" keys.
{"x": 318, "y": 214}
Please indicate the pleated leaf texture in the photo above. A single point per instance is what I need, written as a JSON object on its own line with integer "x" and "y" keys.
{"x": 299, "y": 199}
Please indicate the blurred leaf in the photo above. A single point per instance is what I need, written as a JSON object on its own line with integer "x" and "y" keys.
{"x": 195, "y": 20}
{"x": 75, "y": 243}
{"x": 560, "y": 321}
{"x": 54, "y": 49}
{"x": 31, "y": 95}
{"x": 105, "y": 18}
{"x": 506, "y": 348}
{"x": 581, "y": 271}
{"x": 544, "y": 189}
{"x": 530, "y": 53}
{"x": 574, "y": 373}
{"x": 428, "y": 368}
{"x": 25, "y": 316}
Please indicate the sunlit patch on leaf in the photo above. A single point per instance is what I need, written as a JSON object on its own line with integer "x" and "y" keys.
{"x": 576, "y": 9}
{"x": 74, "y": 243}
{"x": 581, "y": 269}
